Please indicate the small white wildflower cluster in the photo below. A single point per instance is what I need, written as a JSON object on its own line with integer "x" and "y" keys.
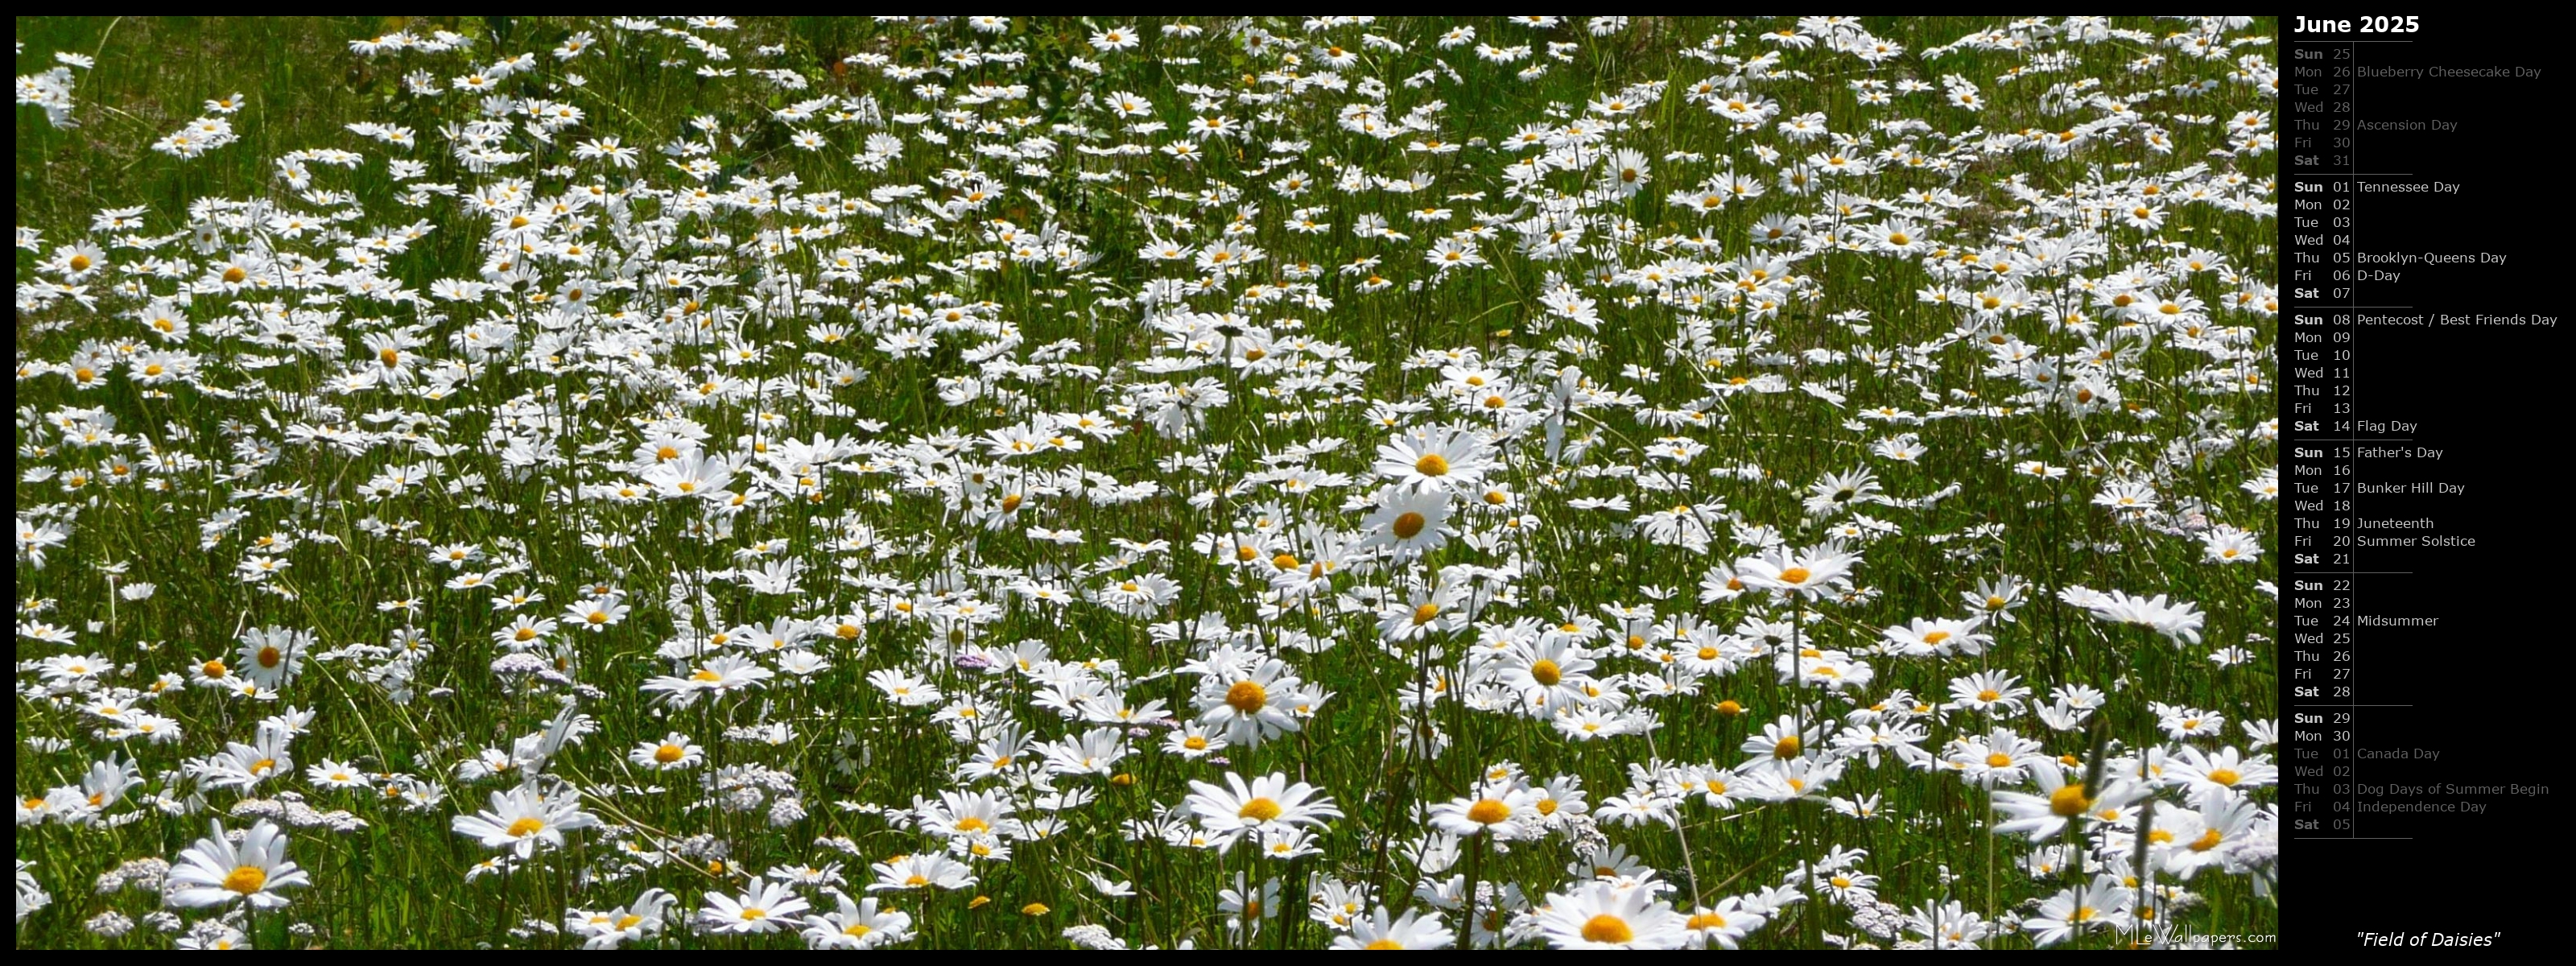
{"x": 52, "y": 90}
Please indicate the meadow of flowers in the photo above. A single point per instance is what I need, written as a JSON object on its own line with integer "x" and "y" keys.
{"x": 1287, "y": 482}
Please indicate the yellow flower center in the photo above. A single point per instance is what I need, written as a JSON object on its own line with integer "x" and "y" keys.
{"x": 1258, "y": 810}
{"x": 2068, "y": 801}
{"x": 1937, "y": 637}
{"x": 1607, "y": 928}
{"x": 1432, "y": 464}
{"x": 1424, "y": 613}
{"x": 669, "y": 753}
{"x": 2224, "y": 776}
{"x": 1488, "y": 812}
{"x": 268, "y": 657}
{"x": 1794, "y": 575}
{"x": 246, "y": 879}
{"x": 235, "y": 274}
{"x": 1998, "y": 760}
{"x": 1384, "y": 944}
{"x": 1988, "y": 694}
{"x": 1409, "y": 525}
{"x": 526, "y": 827}
{"x": 1246, "y": 696}
{"x": 1546, "y": 673}
{"x": 2208, "y": 840}
{"x": 972, "y": 824}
